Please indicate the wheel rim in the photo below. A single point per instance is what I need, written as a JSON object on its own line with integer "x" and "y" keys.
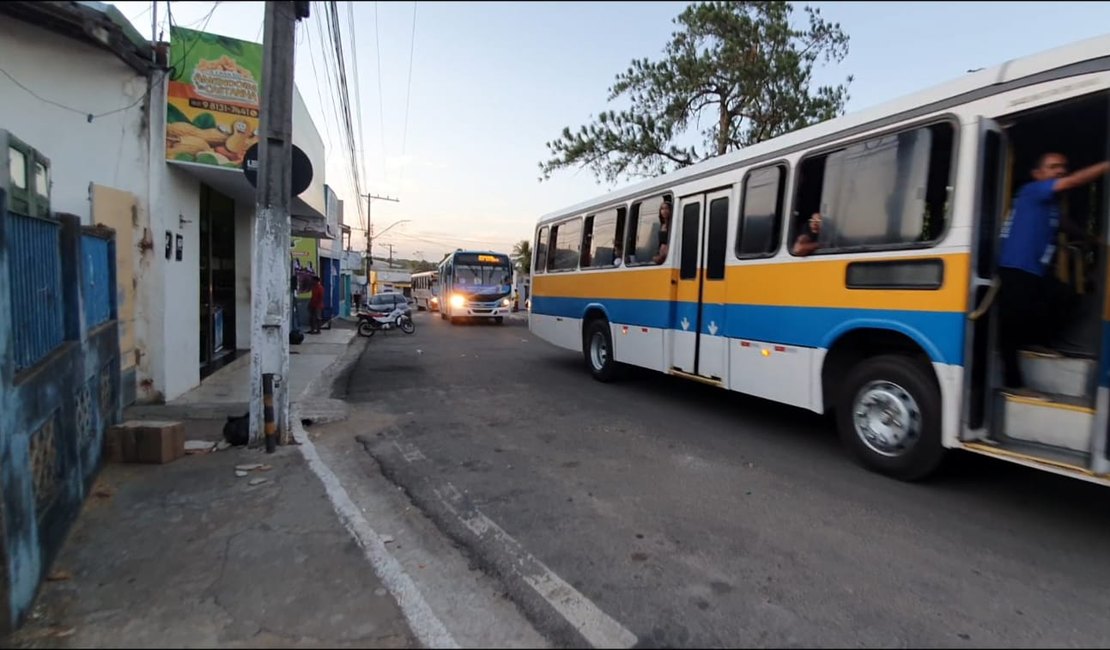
{"x": 887, "y": 418}
{"x": 599, "y": 350}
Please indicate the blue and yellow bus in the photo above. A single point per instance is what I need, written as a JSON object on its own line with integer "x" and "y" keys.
{"x": 475, "y": 285}
{"x": 886, "y": 320}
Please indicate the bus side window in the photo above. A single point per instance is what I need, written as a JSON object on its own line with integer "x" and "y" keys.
{"x": 644, "y": 229}
{"x": 889, "y": 191}
{"x": 540, "y": 264}
{"x": 761, "y": 212}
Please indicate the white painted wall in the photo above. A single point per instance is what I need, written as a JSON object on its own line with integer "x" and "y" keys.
{"x": 308, "y": 139}
{"x": 109, "y": 151}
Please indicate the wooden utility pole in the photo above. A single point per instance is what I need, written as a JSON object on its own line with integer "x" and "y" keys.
{"x": 270, "y": 275}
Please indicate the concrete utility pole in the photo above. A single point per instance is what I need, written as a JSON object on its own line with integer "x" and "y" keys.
{"x": 370, "y": 230}
{"x": 270, "y": 278}
{"x": 390, "y": 255}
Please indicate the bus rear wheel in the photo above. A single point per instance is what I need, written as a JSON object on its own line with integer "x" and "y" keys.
{"x": 889, "y": 417}
{"x": 597, "y": 348}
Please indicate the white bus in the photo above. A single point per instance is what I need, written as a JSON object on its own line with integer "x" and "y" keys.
{"x": 887, "y": 324}
{"x": 475, "y": 284}
{"x": 425, "y": 290}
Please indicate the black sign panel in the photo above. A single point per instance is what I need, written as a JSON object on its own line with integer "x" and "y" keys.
{"x": 302, "y": 168}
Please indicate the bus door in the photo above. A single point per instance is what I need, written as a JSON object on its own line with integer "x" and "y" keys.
{"x": 990, "y": 198}
{"x": 698, "y": 343}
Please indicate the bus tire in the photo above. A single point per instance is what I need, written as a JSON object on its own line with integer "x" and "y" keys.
{"x": 889, "y": 417}
{"x": 500, "y": 320}
{"x": 597, "y": 349}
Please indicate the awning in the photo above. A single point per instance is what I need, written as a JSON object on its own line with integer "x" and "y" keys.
{"x": 306, "y": 221}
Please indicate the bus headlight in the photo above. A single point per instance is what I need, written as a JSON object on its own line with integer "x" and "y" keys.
{"x": 505, "y": 302}
{"x": 457, "y": 301}
{"x": 434, "y": 300}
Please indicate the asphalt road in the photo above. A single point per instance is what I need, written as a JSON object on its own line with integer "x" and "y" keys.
{"x": 689, "y": 516}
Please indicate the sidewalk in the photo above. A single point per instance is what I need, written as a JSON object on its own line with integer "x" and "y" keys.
{"x": 190, "y": 554}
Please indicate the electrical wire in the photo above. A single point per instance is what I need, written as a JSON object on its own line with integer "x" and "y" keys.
{"x": 333, "y": 92}
{"x": 408, "y": 91}
{"x": 175, "y": 75}
{"x": 358, "y": 92}
{"x": 89, "y": 116}
{"x": 381, "y": 102}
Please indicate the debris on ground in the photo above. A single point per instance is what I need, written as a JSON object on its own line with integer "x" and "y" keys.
{"x": 240, "y": 473}
{"x": 249, "y": 467}
{"x": 199, "y": 446}
{"x": 59, "y": 575}
{"x": 258, "y": 481}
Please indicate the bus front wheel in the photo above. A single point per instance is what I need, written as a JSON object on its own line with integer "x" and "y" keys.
{"x": 597, "y": 348}
{"x": 889, "y": 417}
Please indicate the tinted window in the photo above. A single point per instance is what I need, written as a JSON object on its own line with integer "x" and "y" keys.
{"x": 691, "y": 221}
{"x": 643, "y": 235}
{"x": 718, "y": 239}
{"x": 541, "y": 251}
{"x": 603, "y": 239}
{"x": 566, "y": 238}
{"x": 761, "y": 217}
{"x": 887, "y": 191}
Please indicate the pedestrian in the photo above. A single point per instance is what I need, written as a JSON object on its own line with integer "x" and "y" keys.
{"x": 316, "y": 306}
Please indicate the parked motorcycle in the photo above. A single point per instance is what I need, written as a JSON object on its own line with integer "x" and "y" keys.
{"x": 370, "y": 322}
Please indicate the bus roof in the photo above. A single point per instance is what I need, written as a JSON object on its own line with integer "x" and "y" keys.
{"x": 1081, "y": 57}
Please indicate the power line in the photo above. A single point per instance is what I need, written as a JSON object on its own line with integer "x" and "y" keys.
{"x": 169, "y": 13}
{"x": 88, "y": 116}
{"x": 358, "y": 91}
{"x": 408, "y": 96}
{"x": 344, "y": 95}
{"x": 381, "y": 102}
{"x": 335, "y": 89}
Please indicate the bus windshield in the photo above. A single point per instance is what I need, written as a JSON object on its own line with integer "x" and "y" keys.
{"x": 482, "y": 275}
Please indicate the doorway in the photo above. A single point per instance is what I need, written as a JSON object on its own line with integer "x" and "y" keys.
{"x": 217, "y": 280}
{"x": 699, "y": 344}
{"x": 1064, "y": 372}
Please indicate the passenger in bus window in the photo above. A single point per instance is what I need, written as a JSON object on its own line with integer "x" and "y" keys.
{"x": 1032, "y": 303}
{"x": 664, "y": 231}
{"x": 809, "y": 240}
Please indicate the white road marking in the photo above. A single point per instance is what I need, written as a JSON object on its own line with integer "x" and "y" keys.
{"x": 598, "y": 628}
{"x": 427, "y": 627}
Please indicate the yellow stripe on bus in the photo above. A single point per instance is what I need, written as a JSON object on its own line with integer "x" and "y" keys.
{"x": 812, "y": 283}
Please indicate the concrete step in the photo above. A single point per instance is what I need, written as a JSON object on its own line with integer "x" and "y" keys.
{"x": 1058, "y": 375}
{"x": 1055, "y": 420}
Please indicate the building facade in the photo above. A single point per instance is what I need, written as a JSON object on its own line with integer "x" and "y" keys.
{"x": 155, "y": 151}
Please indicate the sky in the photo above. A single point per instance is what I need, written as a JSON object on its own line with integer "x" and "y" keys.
{"x": 458, "y": 141}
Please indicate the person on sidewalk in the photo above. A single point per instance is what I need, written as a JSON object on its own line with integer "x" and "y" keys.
{"x": 1033, "y": 304}
{"x": 316, "y": 306}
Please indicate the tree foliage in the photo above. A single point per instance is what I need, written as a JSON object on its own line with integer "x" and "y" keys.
{"x": 745, "y": 66}
{"x": 522, "y": 256}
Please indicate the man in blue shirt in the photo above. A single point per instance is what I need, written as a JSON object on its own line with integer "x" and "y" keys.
{"x": 1031, "y": 300}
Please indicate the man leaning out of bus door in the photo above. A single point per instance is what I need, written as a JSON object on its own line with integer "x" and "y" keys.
{"x": 1032, "y": 303}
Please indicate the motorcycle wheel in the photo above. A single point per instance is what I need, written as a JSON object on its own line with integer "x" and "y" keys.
{"x": 407, "y": 326}
{"x": 366, "y": 329}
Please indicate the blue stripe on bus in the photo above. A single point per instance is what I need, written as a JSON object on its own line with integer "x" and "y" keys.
{"x": 940, "y": 334}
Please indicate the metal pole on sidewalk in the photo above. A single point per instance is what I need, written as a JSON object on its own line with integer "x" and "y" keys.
{"x": 270, "y": 299}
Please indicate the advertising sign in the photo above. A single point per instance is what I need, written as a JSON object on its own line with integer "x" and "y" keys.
{"x": 306, "y": 263}
{"x": 213, "y": 98}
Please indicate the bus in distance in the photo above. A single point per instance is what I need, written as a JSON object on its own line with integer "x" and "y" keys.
{"x": 475, "y": 284}
{"x": 425, "y": 290}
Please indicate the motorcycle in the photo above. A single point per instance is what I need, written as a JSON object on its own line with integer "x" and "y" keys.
{"x": 370, "y": 322}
